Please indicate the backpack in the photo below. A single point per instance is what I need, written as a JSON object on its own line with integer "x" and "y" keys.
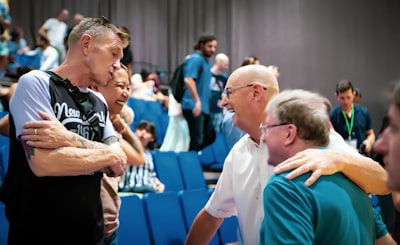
{"x": 177, "y": 82}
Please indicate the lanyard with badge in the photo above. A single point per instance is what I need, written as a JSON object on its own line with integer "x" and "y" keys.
{"x": 350, "y": 141}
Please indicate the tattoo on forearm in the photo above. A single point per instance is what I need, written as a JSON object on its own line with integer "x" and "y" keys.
{"x": 87, "y": 144}
{"x": 30, "y": 152}
{"x": 110, "y": 140}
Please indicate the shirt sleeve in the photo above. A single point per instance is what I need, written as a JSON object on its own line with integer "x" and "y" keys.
{"x": 222, "y": 202}
{"x": 380, "y": 227}
{"x": 192, "y": 67}
{"x": 31, "y": 96}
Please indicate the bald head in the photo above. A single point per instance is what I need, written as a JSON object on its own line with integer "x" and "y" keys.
{"x": 221, "y": 63}
{"x": 254, "y": 73}
{"x": 221, "y": 57}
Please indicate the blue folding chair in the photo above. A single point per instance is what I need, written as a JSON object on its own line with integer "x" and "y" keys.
{"x": 163, "y": 212}
{"x": 192, "y": 171}
{"x": 133, "y": 228}
{"x": 228, "y": 230}
{"x": 154, "y": 107}
{"x": 166, "y": 165}
{"x": 192, "y": 201}
{"x": 139, "y": 106}
{"x": 3, "y": 224}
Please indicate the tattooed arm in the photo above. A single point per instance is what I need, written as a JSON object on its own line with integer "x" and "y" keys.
{"x": 47, "y": 142}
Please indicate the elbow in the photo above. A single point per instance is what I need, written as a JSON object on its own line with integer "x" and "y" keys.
{"x": 37, "y": 169}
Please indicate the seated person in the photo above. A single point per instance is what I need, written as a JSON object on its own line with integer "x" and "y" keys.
{"x": 147, "y": 86}
{"x": 142, "y": 179}
{"x": 49, "y": 57}
{"x": 297, "y": 214}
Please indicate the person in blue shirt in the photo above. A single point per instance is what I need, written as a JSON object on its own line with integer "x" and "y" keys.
{"x": 324, "y": 213}
{"x": 196, "y": 98}
{"x": 352, "y": 121}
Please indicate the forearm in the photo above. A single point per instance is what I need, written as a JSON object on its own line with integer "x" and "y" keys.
{"x": 69, "y": 161}
{"x": 371, "y": 138}
{"x": 365, "y": 172}
{"x": 131, "y": 138}
{"x": 134, "y": 157}
{"x": 4, "y": 126}
{"x": 191, "y": 85}
{"x": 203, "y": 228}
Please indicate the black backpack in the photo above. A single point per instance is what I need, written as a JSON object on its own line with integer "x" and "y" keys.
{"x": 177, "y": 82}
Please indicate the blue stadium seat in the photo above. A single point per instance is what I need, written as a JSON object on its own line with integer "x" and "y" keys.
{"x": 220, "y": 148}
{"x": 3, "y": 224}
{"x": 133, "y": 228}
{"x": 139, "y": 106}
{"x": 228, "y": 230}
{"x": 4, "y": 155}
{"x": 165, "y": 219}
{"x": 154, "y": 107}
{"x": 192, "y": 171}
{"x": 28, "y": 60}
{"x": 192, "y": 201}
{"x": 166, "y": 165}
{"x": 212, "y": 157}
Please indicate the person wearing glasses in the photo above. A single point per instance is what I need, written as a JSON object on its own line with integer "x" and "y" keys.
{"x": 293, "y": 213}
{"x": 52, "y": 196}
{"x": 239, "y": 190}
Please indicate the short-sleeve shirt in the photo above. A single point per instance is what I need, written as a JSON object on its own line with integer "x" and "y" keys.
{"x": 217, "y": 85}
{"x": 362, "y": 123}
{"x": 51, "y": 208}
{"x": 56, "y": 31}
{"x": 331, "y": 211}
{"x": 198, "y": 68}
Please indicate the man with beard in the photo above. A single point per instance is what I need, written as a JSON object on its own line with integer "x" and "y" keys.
{"x": 196, "y": 98}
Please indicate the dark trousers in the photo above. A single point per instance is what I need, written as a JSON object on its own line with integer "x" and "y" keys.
{"x": 202, "y": 132}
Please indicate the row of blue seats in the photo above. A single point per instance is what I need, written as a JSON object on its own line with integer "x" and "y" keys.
{"x": 165, "y": 218}
{"x": 151, "y": 111}
{"x": 157, "y": 218}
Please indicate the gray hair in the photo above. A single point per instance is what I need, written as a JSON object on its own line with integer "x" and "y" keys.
{"x": 96, "y": 27}
{"x": 306, "y": 110}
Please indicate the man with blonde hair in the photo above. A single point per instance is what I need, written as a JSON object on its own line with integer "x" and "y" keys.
{"x": 52, "y": 196}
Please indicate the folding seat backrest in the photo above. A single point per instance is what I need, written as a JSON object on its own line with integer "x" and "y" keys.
{"x": 133, "y": 228}
{"x": 3, "y": 224}
{"x": 166, "y": 165}
{"x": 192, "y": 201}
{"x": 165, "y": 219}
{"x": 192, "y": 171}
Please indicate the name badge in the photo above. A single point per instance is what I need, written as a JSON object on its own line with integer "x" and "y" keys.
{"x": 352, "y": 143}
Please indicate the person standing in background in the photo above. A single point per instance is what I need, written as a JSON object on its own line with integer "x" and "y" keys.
{"x": 217, "y": 84}
{"x": 56, "y": 30}
{"x": 75, "y": 21}
{"x": 196, "y": 98}
{"x": 127, "y": 59}
{"x": 352, "y": 121}
{"x": 5, "y": 22}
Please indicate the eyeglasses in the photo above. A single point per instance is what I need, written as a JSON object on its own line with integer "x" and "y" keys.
{"x": 228, "y": 90}
{"x": 264, "y": 127}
